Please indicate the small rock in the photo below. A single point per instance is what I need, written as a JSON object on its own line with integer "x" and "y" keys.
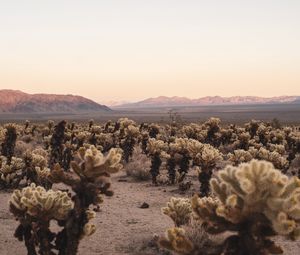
{"x": 144, "y": 206}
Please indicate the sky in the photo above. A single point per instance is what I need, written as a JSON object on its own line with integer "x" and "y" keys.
{"x": 134, "y": 49}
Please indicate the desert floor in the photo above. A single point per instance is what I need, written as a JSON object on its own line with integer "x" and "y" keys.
{"x": 122, "y": 226}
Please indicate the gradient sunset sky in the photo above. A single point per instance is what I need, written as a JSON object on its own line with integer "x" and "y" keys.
{"x": 131, "y": 50}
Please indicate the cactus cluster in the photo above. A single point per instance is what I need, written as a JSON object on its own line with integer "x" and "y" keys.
{"x": 179, "y": 210}
{"x": 37, "y": 202}
{"x": 35, "y": 207}
{"x": 254, "y": 201}
{"x": 83, "y": 155}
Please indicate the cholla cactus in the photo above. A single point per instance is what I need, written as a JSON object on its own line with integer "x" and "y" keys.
{"x": 244, "y": 139}
{"x": 240, "y": 156}
{"x": 156, "y": 146}
{"x": 191, "y": 131}
{"x": 91, "y": 123}
{"x": 175, "y": 240}
{"x": 35, "y": 208}
{"x": 131, "y": 134}
{"x": 106, "y": 141}
{"x": 206, "y": 157}
{"x": 255, "y": 201}
{"x": 26, "y": 125}
{"x": 263, "y": 133}
{"x": 144, "y": 141}
{"x": 35, "y": 168}
{"x": 153, "y": 130}
{"x": 157, "y": 149}
{"x": 9, "y": 142}
{"x": 226, "y": 135}
{"x": 56, "y": 143}
{"x": 179, "y": 210}
{"x": 50, "y": 124}
{"x": 179, "y": 151}
{"x": 81, "y": 137}
{"x": 2, "y": 134}
{"x": 90, "y": 179}
{"x": 212, "y": 128}
{"x": 36, "y": 201}
{"x": 10, "y": 172}
{"x": 278, "y": 148}
{"x": 179, "y": 155}
{"x": 273, "y": 157}
{"x": 293, "y": 143}
{"x": 38, "y": 160}
{"x": 125, "y": 122}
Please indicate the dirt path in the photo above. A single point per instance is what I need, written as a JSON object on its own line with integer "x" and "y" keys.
{"x": 122, "y": 227}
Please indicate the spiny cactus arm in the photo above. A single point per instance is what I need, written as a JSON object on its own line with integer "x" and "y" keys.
{"x": 205, "y": 211}
{"x": 58, "y": 175}
{"x": 39, "y": 203}
{"x": 175, "y": 240}
{"x": 94, "y": 164}
{"x": 284, "y": 211}
{"x": 228, "y": 177}
{"x": 179, "y": 210}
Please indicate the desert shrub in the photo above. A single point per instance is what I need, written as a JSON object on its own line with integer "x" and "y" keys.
{"x": 139, "y": 167}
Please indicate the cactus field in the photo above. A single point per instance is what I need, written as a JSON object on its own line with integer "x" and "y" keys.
{"x": 123, "y": 187}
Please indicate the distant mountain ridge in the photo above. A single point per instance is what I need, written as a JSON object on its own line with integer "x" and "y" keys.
{"x": 163, "y": 101}
{"x": 15, "y": 101}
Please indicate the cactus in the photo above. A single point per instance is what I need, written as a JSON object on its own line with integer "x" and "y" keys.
{"x": 206, "y": 157}
{"x": 35, "y": 207}
{"x": 179, "y": 210}
{"x": 131, "y": 134}
{"x": 274, "y": 157}
{"x": 157, "y": 149}
{"x": 213, "y": 128}
{"x": 255, "y": 202}
{"x": 175, "y": 240}
{"x": 56, "y": 143}
{"x": 240, "y": 156}
{"x": 92, "y": 173}
{"x": 11, "y": 172}
{"x": 9, "y": 142}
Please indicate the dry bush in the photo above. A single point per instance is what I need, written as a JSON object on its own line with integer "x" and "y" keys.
{"x": 139, "y": 167}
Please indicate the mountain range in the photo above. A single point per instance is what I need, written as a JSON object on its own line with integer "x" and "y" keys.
{"x": 163, "y": 101}
{"x": 15, "y": 101}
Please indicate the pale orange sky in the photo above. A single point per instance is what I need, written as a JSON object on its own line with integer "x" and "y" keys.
{"x": 131, "y": 50}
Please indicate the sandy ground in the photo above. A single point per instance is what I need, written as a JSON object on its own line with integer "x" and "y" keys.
{"x": 122, "y": 227}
